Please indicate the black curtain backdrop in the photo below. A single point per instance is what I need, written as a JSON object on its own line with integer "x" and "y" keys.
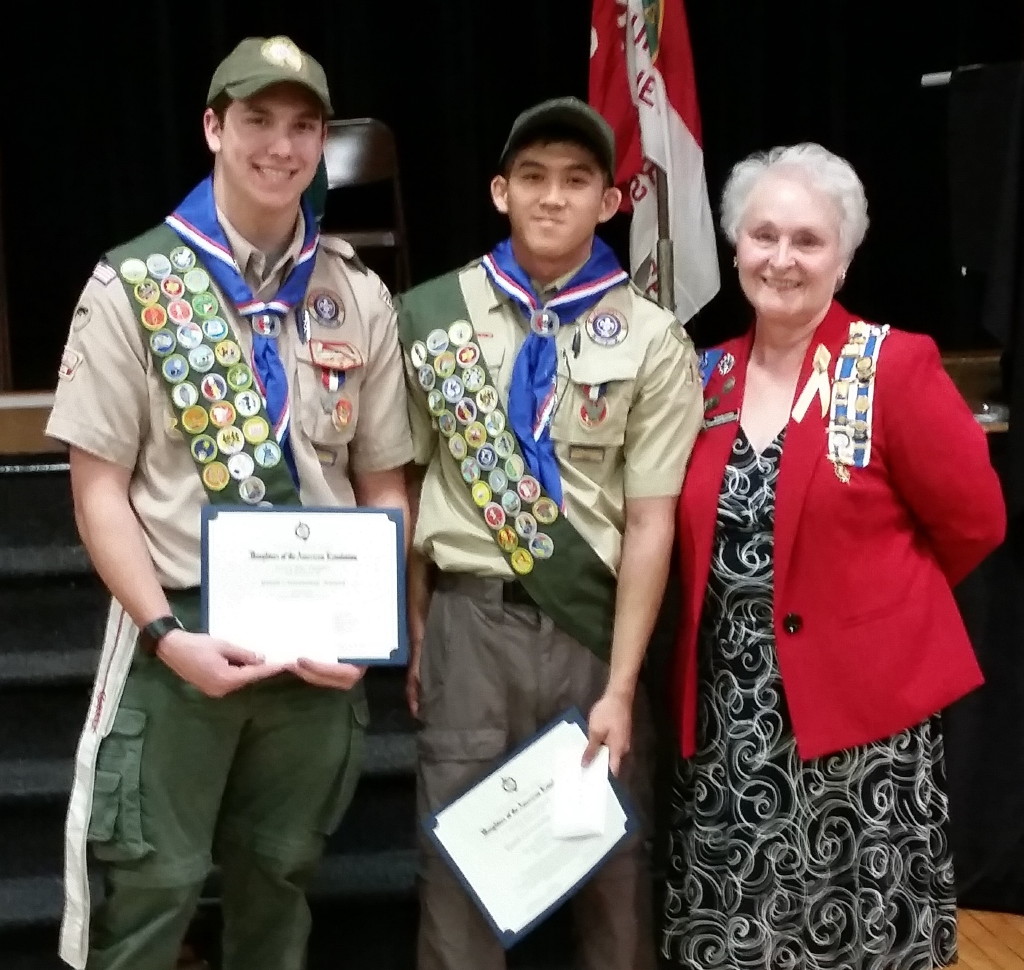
{"x": 101, "y": 136}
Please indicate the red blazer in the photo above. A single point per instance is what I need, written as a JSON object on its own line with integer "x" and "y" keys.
{"x": 869, "y": 638}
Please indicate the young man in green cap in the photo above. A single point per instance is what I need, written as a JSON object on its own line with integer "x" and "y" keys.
{"x": 553, "y": 409}
{"x": 234, "y": 355}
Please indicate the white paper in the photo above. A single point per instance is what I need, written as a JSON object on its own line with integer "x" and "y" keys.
{"x": 580, "y": 795}
{"x": 499, "y": 834}
{"x": 320, "y": 584}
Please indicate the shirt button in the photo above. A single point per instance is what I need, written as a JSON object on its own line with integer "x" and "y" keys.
{"x": 792, "y": 623}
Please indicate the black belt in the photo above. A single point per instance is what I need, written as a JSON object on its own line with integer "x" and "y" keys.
{"x": 486, "y": 588}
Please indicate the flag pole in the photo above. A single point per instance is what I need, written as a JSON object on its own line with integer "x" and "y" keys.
{"x": 666, "y": 262}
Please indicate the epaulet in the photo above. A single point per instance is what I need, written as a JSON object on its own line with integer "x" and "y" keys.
{"x": 338, "y": 246}
{"x": 640, "y": 292}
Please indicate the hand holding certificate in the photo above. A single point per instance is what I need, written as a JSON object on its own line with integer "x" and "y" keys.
{"x": 324, "y": 584}
{"x": 513, "y": 839}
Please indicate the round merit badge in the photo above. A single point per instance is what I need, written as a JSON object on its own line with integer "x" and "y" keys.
{"x": 460, "y": 332}
{"x": 201, "y": 358}
{"x": 216, "y": 476}
{"x": 228, "y": 353}
{"x": 204, "y": 448}
{"x": 494, "y": 516}
{"x": 267, "y": 454}
{"x": 159, "y": 265}
{"x": 133, "y": 270}
{"x": 213, "y": 387}
{"x": 175, "y": 368}
{"x": 521, "y": 561}
{"x": 458, "y": 447}
{"x": 542, "y": 546}
{"x": 222, "y": 414}
{"x": 240, "y": 378}
{"x": 205, "y": 304}
{"x": 154, "y": 317}
{"x": 147, "y": 292}
{"x": 185, "y": 395}
{"x": 241, "y": 466}
{"x": 172, "y": 287}
{"x": 418, "y": 354}
{"x": 196, "y": 280}
{"x": 545, "y": 511}
{"x": 256, "y": 430}
{"x": 182, "y": 258}
{"x": 195, "y": 420}
{"x": 215, "y": 328}
{"x": 162, "y": 342}
{"x": 437, "y": 341}
{"x": 248, "y": 403}
{"x": 252, "y": 490}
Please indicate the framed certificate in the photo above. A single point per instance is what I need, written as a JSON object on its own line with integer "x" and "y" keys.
{"x": 500, "y": 837}
{"x": 326, "y": 584}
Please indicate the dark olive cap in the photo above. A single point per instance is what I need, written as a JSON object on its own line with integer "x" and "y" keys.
{"x": 258, "y": 62}
{"x": 567, "y": 113}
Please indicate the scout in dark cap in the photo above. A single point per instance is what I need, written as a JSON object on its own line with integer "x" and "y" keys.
{"x": 229, "y": 355}
{"x": 553, "y": 409}
{"x": 568, "y": 117}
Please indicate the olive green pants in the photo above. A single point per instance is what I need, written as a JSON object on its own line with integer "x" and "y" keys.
{"x": 252, "y": 782}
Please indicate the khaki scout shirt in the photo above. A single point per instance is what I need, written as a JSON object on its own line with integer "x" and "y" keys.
{"x": 639, "y": 450}
{"x": 112, "y": 402}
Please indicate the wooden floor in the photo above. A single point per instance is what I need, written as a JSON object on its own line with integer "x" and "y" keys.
{"x": 991, "y": 941}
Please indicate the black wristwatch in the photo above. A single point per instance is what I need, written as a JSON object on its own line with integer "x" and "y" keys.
{"x": 152, "y": 633}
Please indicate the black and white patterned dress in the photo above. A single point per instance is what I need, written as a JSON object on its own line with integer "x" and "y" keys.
{"x": 779, "y": 863}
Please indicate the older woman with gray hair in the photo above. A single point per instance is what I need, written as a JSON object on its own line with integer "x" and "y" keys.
{"x": 838, "y": 490}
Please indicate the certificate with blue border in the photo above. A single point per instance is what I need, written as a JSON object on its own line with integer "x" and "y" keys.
{"x": 498, "y": 839}
{"x": 325, "y": 584}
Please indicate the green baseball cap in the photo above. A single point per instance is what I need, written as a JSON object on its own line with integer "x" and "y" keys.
{"x": 570, "y": 113}
{"x": 258, "y": 62}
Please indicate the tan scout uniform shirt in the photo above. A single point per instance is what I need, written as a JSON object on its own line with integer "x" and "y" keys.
{"x": 113, "y": 402}
{"x": 639, "y": 450}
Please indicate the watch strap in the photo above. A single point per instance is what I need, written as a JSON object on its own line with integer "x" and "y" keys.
{"x": 152, "y": 633}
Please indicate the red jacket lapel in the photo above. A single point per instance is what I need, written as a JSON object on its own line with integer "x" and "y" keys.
{"x": 806, "y": 447}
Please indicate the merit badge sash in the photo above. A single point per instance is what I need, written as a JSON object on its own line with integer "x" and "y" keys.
{"x": 219, "y": 408}
{"x": 554, "y": 563}
{"x": 853, "y": 394}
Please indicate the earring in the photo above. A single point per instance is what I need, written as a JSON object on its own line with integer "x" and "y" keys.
{"x": 840, "y": 281}
{"x": 735, "y": 262}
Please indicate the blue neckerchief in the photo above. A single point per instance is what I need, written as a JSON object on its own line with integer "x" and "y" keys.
{"x": 532, "y": 395}
{"x": 195, "y": 220}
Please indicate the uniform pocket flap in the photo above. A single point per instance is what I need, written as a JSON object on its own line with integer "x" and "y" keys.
{"x": 450, "y": 744}
{"x": 128, "y": 723}
{"x": 106, "y": 782}
{"x": 597, "y": 370}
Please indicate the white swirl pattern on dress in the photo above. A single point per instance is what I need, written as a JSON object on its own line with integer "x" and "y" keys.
{"x": 776, "y": 863}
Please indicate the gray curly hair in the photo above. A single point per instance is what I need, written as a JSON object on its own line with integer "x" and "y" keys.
{"x": 823, "y": 169}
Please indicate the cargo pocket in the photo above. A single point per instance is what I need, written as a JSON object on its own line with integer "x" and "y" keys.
{"x": 345, "y": 782}
{"x": 451, "y": 759}
{"x": 115, "y": 827}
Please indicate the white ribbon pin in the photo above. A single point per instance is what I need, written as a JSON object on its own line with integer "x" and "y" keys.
{"x": 818, "y": 383}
